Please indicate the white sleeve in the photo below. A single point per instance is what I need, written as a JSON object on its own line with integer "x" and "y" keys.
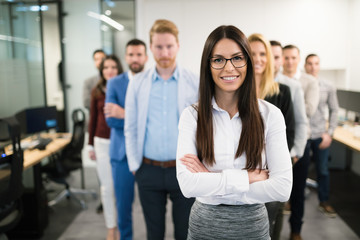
{"x": 203, "y": 184}
{"x": 130, "y": 130}
{"x": 301, "y": 123}
{"x": 278, "y": 186}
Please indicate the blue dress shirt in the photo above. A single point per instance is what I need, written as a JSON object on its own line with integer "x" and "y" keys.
{"x": 162, "y": 120}
{"x": 137, "y": 109}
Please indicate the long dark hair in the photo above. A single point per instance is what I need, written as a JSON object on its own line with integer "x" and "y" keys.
{"x": 99, "y": 88}
{"x": 252, "y": 134}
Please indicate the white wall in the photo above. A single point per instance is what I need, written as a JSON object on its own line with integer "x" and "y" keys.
{"x": 121, "y": 39}
{"x": 354, "y": 38}
{"x": 81, "y": 37}
{"x": 326, "y": 27}
{"x": 322, "y": 26}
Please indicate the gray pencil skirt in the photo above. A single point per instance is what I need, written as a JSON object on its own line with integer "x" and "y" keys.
{"x": 228, "y": 222}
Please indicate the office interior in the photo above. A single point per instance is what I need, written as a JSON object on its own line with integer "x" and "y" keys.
{"x": 46, "y": 51}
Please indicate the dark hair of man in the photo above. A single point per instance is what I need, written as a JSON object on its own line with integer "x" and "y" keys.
{"x": 309, "y": 56}
{"x": 136, "y": 42}
{"x": 275, "y": 43}
{"x": 99, "y": 88}
{"x": 98, "y": 51}
{"x": 252, "y": 134}
{"x": 291, "y": 47}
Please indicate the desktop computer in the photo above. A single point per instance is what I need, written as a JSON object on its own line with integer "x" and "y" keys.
{"x": 36, "y": 120}
{"x": 35, "y": 218}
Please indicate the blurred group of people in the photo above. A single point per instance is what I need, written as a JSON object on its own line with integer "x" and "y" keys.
{"x": 228, "y": 147}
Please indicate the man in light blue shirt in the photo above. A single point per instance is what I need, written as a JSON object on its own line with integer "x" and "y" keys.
{"x": 154, "y": 102}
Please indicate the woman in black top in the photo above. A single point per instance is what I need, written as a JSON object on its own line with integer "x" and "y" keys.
{"x": 266, "y": 88}
{"x": 279, "y": 95}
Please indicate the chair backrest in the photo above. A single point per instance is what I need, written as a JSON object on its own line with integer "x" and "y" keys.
{"x": 11, "y": 185}
{"x": 78, "y": 135}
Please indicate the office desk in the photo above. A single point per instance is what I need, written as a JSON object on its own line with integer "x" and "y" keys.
{"x": 35, "y": 217}
{"x": 345, "y": 136}
{"x": 35, "y": 156}
{"x": 60, "y": 140}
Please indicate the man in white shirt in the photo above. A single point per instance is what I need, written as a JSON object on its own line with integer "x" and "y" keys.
{"x": 291, "y": 58}
{"x": 301, "y": 124}
{"x": 297, "y": 97}
{"x": 321, "y": 135}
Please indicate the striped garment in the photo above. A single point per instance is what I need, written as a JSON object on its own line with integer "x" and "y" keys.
{"x": 328, "y": 105}
{"x": 228, "y": 222}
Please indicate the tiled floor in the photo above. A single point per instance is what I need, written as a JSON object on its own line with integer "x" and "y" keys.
{"x": 87, "y": 224}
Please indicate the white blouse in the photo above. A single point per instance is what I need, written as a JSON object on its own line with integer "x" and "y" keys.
{"x": 227, "y": 182}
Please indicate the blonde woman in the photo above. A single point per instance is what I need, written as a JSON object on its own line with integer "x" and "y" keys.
{"x": 277, "y": 94}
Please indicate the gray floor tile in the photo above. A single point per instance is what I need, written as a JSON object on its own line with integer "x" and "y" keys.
{"x": 89, "y": 225}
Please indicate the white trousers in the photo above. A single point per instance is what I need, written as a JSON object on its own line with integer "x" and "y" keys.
{"x": 103, "y": 167}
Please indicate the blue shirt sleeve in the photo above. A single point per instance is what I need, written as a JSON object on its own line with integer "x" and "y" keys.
{"x": 112, "y": 97}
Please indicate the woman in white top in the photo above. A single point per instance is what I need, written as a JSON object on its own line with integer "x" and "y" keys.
{"x": 232, "y": 153}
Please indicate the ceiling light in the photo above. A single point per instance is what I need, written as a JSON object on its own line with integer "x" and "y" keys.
{"x": 107, "y": 20}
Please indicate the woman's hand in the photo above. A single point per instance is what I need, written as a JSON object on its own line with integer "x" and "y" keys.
{"x": 256, "y": 175}
{"x": 193, "y": 163}
{"x": 92, "y": 155}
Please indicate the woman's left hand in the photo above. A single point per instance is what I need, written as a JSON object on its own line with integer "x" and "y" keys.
{"x": 193, "y": 163}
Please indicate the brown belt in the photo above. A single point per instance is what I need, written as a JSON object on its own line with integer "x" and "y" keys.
{"x": 163, "y": 164}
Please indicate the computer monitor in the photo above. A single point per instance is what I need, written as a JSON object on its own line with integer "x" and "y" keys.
{"x": 349, "y": 100}
{"x": 35, "y": 120}
{"x": 4, "y": 131}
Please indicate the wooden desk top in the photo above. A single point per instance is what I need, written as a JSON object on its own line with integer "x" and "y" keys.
{"x": 32, "y": 157}
{"x": 60, "y": 140}
{"x": 347, "y": 137}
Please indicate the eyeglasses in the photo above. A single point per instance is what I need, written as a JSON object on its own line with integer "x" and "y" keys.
{"x": 238, "y": 61}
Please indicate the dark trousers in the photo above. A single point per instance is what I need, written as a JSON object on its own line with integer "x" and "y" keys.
{"x": 321, "y": 158}
{"x": 297, "y": 197}
{"x": 275, "y": 215}
{"x": 124, "y": 194}
{"x": 155, "y": 184}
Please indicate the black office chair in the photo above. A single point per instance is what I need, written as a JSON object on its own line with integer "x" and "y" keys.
{"x": 61, "y": 165}
{"x": 11, "y": 187}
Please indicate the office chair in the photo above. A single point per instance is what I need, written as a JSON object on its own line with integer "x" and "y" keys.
{"x": 11, "y": 187}
{"x": 61, "y": 165}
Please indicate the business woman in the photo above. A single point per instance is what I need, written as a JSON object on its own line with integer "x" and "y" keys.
{"x": 279, "y": 95}
{"x": 232, "y": 152}
{"x": 99, "y": 143}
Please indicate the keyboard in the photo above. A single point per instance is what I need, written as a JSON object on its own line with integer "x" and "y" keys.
{"x": 43, "y": 142}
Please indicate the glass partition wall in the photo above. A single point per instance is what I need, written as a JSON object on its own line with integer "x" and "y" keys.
{"x": 114, "y": 38}
{"x": 21, "y": 61}
{"x": 30, "y": 55}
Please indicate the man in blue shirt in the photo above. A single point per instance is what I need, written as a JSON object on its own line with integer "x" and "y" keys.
{"x": 154, "y": 102}
{"x": 136, "y": 58}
